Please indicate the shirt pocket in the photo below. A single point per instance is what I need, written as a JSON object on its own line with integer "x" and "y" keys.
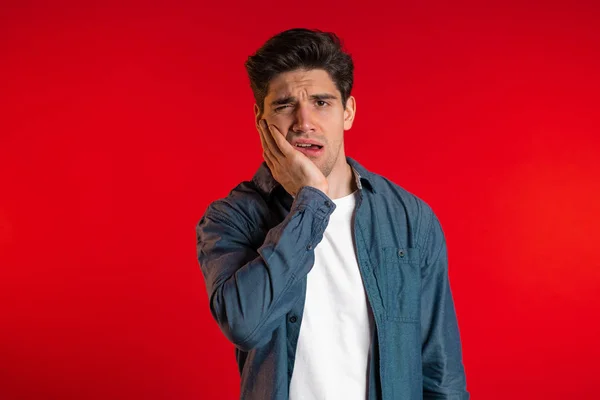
{"x": 403, "y": 283}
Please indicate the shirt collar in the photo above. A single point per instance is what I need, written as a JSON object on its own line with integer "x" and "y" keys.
{"x": 263, "y": 179}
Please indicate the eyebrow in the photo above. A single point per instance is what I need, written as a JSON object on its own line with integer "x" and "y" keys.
{"x": 292, "y": 99}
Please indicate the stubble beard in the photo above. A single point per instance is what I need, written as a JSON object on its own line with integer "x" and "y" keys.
{"x": 329, "y": 164}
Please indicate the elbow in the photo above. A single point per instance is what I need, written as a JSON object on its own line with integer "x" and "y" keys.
{"x": 240, "y": 333}
{"x": 237, "y": 328}
{"x": 442, "y": 382}
{"x": 244, "y": 343}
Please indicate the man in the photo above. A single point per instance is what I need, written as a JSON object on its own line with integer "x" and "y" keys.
{"x": 330, "y": 280}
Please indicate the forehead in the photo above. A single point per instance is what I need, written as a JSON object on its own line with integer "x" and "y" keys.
{"x": 292, "y": 82}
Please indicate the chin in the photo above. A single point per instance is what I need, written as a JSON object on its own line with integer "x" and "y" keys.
{"x": 326, "y": 170}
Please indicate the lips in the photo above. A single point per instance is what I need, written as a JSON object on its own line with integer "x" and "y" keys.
{"x": 297, "y": 142}
{"x": 308, "y": 147}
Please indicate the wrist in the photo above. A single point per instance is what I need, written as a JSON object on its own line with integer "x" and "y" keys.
{"x": 322, "y": 187}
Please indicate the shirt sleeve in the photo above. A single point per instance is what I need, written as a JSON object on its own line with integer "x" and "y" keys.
{"x": 443, "y": 370}
{"x": 251, "y": 289}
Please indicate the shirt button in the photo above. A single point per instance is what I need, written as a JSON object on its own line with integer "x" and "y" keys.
{"x": 327, "y": 203}
{"x": 293, "y": 319}
{"x": 401, "y": 253}
{"x": 309, "y": 247}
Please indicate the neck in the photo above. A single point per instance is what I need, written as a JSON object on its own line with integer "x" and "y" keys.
{"x": 341, "y": 180}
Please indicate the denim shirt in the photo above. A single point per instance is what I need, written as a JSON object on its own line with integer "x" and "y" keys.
{"x": 256, "y": 246}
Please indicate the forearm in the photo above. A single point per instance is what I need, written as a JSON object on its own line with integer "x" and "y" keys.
{"x": 250, "y": 290}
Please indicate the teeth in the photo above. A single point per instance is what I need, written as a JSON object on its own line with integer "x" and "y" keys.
{"x": 303, "y": 145}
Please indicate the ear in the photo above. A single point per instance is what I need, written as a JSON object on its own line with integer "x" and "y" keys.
{"x": 349, "y": 112}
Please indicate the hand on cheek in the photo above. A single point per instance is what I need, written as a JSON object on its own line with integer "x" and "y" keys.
{"x": 292, "y": 169}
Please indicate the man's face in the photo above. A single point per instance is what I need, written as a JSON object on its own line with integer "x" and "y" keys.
{"x": 306, "y": 107}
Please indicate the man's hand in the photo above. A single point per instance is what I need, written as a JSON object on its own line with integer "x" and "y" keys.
{"x": 289, "y": 167}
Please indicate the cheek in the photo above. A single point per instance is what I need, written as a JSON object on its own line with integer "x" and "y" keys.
{"x": 280, "y": 120}
{"x": 282, "y": 124}
{"x": 336, "y": 127}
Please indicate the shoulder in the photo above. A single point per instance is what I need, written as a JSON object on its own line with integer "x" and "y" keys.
{"x": 393, "y": 193}
{"x": 403, "y": 206}
{"x": 239, "y": 207}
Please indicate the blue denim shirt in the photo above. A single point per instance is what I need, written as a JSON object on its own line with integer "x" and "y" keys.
{"x": 256, "y": 246}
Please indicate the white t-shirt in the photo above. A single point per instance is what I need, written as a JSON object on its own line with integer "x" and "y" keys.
{"x": 335, "y": 336}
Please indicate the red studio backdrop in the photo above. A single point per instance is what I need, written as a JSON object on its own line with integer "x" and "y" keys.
{"x": 120, "y": 123}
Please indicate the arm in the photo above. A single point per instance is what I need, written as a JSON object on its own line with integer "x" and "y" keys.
{"x": 251, "y": 289}
{"x": 443, "y": 371}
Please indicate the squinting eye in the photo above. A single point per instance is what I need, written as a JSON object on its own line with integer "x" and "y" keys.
{"x": 281, "y": 108}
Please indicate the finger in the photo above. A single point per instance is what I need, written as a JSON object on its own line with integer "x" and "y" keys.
{"x": 261, "y": 135}
{"x": 270, "y": 142}
{"x": 267, "y": 155}
{"x": 268, "y": 160}
{"x": 283, "y": 145}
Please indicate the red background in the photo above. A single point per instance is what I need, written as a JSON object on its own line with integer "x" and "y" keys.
{"x": 119, "y": 124}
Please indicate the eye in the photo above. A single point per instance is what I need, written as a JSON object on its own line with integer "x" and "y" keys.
{"x": 281, "y": 108}
{"x": 321, "y": 103}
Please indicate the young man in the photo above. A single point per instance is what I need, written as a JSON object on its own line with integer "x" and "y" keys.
{"x": 330, "y": 280}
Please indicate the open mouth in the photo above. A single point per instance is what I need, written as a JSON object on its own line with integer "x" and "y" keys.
{"x": 309, "y": 146}
{"x": 311, "y": 150}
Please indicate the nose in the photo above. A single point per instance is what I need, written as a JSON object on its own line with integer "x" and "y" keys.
{"x": 303, "y": 119}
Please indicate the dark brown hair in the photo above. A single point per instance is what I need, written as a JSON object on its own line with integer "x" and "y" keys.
{"x": 300, "y": 48}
